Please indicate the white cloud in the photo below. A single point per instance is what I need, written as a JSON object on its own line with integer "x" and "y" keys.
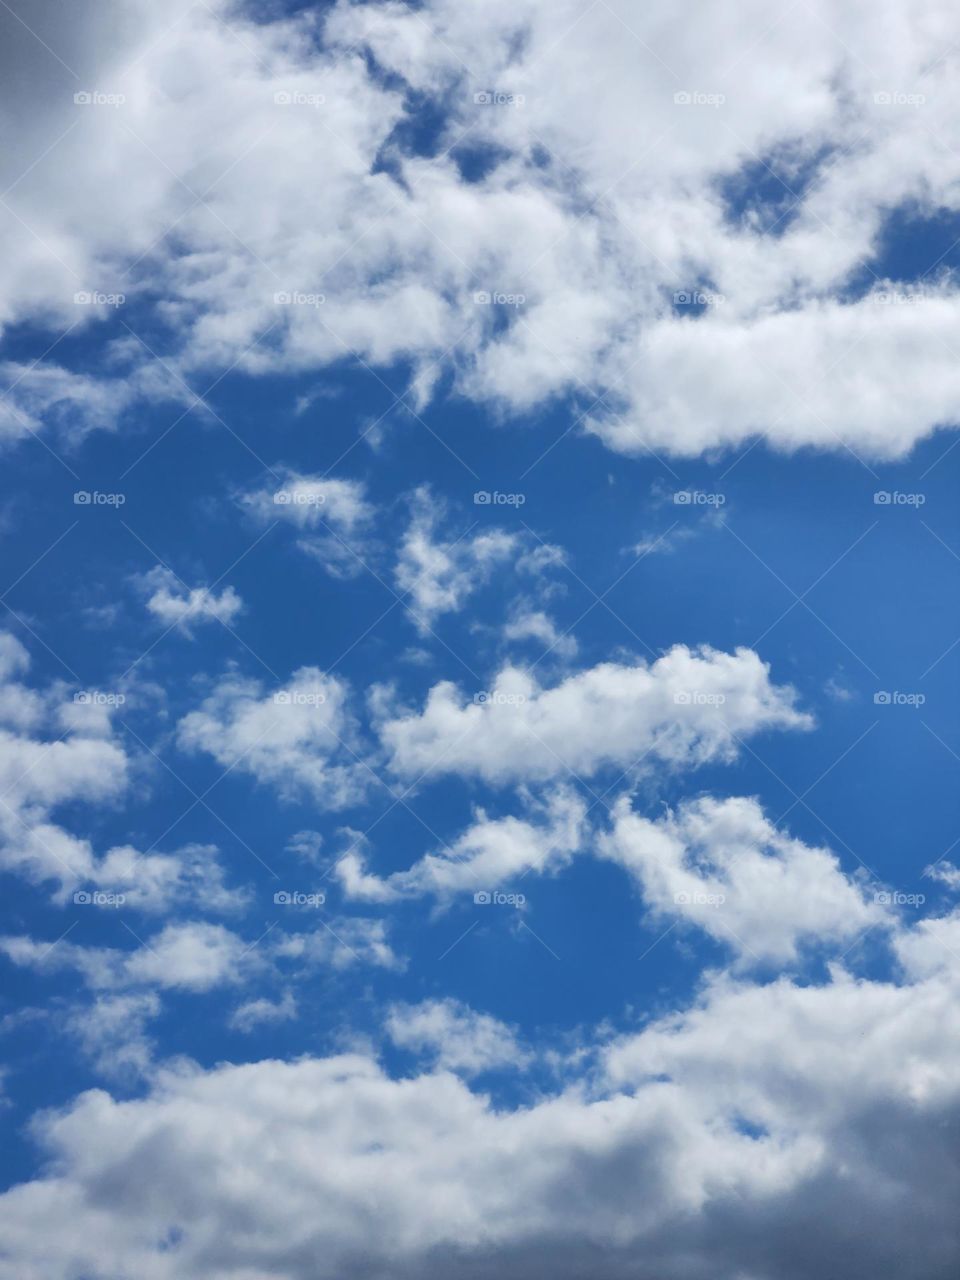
{"x": 190, "y": 879}
{"x": 309, "y": 501}
{"x": 262, "y": 1012}
{"x": 341, "y": 943}
{"x": 85, "y": 763}
{"x": 195, "y": 956}
{"x": 454, "y": 1037}
{"x": 55, "y": 750}
{"x": 490, "y": 854}
{"x": 945, "y": 872}
{"x": 782, "y": 1103}
{"x": 722, "y": 866}
{"x": 595, "y": 235}
{"x": 112, "y": 1032}
{"x": 688, "y": 707}
{"x": 440, "y": 574}
{"x": 177, "y": 605}
{"x": 534, "y": 624}
{"x": 299, "y": 739}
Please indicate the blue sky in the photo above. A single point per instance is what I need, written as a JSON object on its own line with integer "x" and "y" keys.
{"x": 682, "y": 691}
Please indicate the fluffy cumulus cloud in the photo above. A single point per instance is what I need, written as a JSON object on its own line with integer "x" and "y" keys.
{"x": 675, "y": 233}
{"x": 198, "y": 956}
{"x": 454, "y": 1036}
{"x": 722, "y": 866}
{"x": 537, "y": 626}
{"x": 177, "y": 605}
{"x": 60, "y": 750}
{"x": 187, "y": 957}
{"x": 629, "y": 268}
{"x": 781, "y": 1105}
{"x": 687, "y": 707}
{"x": 299, "y": 738}
{"x": 485, "y": 856}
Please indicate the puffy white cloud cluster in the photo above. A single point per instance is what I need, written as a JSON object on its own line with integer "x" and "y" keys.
{"x": 455, "y": 1037}
{"x": 687, "y": 707}
{"x": 583, "y": 221}
{"x": 177, "y": 605}
{"x": 483, "y": 857}
{"x": 301, "y": 738}
{"x": 723, "y": 866}
{"x": 784, "y": 1105}
{"x": 58, "y": 749}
